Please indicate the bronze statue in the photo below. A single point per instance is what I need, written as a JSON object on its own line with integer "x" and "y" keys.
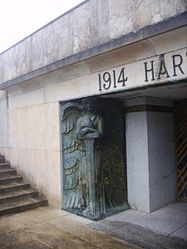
{"x": 93, "y": 164}
{"x": 89, "y": 130}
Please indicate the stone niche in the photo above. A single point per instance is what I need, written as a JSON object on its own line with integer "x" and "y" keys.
{"x": 94, "y": 170}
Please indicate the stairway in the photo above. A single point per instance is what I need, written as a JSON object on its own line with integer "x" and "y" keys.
{"x": 16, "y": 195}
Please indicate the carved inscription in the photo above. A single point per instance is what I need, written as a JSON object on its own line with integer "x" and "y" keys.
{"x": 151, "y": 72}
{"x": 113, "y": 79}
{"x": 160, "y": 68}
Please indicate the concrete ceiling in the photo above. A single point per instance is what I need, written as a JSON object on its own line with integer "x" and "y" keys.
{"x": 171, "y": 92}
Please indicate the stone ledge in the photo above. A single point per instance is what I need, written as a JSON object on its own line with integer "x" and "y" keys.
{"x": 143, "y": 33}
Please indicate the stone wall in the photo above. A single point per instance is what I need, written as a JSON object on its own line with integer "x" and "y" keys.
{"x": 34, "y": 142}
{"x": 30, "y": 134}
{"x": 4, "y": 125}
{"x": 89, "y": 25}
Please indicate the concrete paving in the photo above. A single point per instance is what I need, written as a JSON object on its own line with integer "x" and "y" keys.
{"x": 169, "y": 221}
{"x": 164, "y": 228}
{"x": 49, "y": 228}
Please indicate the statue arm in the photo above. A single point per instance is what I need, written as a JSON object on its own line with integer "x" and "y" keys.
{"x": 89, "y": 132}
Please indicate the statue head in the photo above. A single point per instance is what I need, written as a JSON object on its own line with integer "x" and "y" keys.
{"x": 92, "y": 104}
{"x": 88, "y": 104}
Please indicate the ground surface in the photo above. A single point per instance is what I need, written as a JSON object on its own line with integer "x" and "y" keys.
{"x": 164, "y": 228}
{"x": 47, "y": 227}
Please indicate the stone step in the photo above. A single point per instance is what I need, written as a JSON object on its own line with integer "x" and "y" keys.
{"x": 2, "y": 159}
{"x": 13, "y": 196}
{"x": 13, "y": 186}
{"x": 10, "y": 178}
{"x": 4, "y": 165}
{"x": 4, "y": 172}
{"x": 22, "y": 205}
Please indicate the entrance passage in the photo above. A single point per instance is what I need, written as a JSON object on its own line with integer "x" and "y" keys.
{"x": 181, "y": 149}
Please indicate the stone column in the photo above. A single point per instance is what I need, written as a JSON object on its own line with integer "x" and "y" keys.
{"x": 150, "y": 146}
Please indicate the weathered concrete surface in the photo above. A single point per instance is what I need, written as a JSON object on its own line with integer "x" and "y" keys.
{"x": 48, "y": 228}
{"x": 91, "y": 24}
{"x": 36, "y": 153}
{"x": 4, "y": 119}
{"x": 164, "y": 228}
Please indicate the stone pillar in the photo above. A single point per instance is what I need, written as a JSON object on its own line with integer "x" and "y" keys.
{"x": 150, "y": 146}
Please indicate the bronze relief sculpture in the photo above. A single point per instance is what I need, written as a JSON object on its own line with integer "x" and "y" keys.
{"x": 87, "y": 161}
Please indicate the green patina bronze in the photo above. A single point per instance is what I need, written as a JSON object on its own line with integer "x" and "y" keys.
{"x": 93, "y": 158}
